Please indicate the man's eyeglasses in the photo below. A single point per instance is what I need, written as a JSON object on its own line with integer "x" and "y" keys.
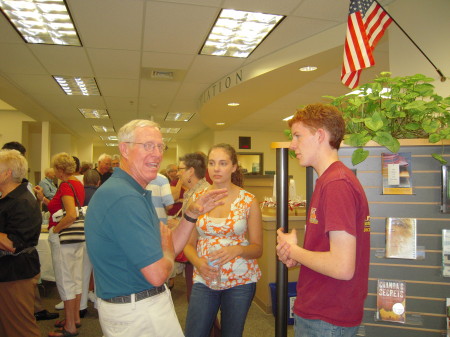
{"x": 150, "y": 147}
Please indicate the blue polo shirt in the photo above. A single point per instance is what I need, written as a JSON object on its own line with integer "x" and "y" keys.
{"x": 122, "y": 236}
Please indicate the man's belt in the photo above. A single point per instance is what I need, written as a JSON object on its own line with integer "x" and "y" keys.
{"x": 138, "y": 296}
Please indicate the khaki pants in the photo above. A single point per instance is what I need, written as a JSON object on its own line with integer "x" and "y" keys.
{"x": 17, "y": 308}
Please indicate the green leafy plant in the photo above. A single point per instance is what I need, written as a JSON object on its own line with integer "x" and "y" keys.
{"x": 392, "y": 108}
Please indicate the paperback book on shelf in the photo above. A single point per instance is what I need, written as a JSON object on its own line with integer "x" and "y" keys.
{"x": 448, "y": 315}
{"x": 446, "y": 252}
{"x": 397, "y": 173}
{"x": 401, "y": 238}
{"x": 391, "y": 301}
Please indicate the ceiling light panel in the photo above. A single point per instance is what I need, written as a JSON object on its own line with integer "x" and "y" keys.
{"x": 170, "y": 130}
{"x": 167, "y": 140}
{"x": 41, "y": 21}
{"x": 109, "y": 137}
{"x": 178, "y": 116}
{"x": 103, "y": 129}
{"x": 94, "y": 113}
{"x": 238, "y": 33}
{"x": 86, "y": 86}
{"x": 112, "y": 144}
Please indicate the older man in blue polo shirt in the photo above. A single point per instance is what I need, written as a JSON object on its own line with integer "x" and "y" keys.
{"x": 131, "y": 251}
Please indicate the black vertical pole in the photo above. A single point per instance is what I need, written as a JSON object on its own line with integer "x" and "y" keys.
{"x": 282, "y": 221}
{"x": 309, "y": 186}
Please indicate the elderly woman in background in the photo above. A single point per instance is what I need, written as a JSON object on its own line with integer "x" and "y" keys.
{"x": 67, "y": 258}
{"x": 20, "y": 227}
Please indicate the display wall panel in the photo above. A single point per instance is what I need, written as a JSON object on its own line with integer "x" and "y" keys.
{"x": 426, "y": 289}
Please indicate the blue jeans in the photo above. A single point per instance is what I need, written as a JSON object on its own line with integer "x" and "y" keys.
{"x": 204, "y": 304}
{"x": 317, "y": 328}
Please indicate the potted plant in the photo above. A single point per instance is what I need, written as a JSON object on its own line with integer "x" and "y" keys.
{"x": 392, "y": 108}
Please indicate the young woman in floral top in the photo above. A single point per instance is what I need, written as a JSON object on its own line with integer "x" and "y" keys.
{"x": 231, "y": 236}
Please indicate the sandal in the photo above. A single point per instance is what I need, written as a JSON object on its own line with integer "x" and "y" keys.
{"x": 62, "y": 323}
{"x": 63, "y": 333}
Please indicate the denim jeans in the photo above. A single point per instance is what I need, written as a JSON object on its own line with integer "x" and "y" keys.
{"x": 204, "y": 304}
{"x": 317, "y": 328}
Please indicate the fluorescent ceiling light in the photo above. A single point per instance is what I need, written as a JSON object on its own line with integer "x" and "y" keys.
{"x": 86, "y": 86}
{"x": 102, "y": 128}
{"x": 94, "y": 113}
{"x": 220, "y": 123}
{"x": 170, "y": 130}
{"x": 41, "y": 21}
{"x": 178, "y": 116}
{"x": 112, "y": 144}
{"x": 167, "y": 140}
{"x": 233, "y": 104}
{"x": 308, "y": 68}
{"x": 109, "y": 137}
{"x": 238, "y": 33}
{"x": 288, "y": 118}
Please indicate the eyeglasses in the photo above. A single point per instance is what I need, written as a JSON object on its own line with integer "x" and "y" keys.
{"x": 150, "y": 147}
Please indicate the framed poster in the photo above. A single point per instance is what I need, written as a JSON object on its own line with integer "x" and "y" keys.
{"x": 445, "y": 197}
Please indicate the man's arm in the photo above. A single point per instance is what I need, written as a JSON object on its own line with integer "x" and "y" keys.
{"x": 158, "y": 272}
{"x": 338, "y": 262}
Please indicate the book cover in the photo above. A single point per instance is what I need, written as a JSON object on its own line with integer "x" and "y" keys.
{"x": 446, "y": 252}
{"x": 391, "y": 301}
{"x": 401, "y": 237}
{"x": 397, "y": 173}
{"x": 448, "y": 315}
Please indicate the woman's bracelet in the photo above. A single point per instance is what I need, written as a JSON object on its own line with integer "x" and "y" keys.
{"x": 188, "y": 218}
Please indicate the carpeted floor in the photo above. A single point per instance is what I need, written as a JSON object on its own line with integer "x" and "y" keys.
{"x": 258, "y": 323}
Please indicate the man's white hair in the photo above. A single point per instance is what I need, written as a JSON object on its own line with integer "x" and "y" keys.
{"x": 104, "y": 156}
{"x": 126, "y": 132}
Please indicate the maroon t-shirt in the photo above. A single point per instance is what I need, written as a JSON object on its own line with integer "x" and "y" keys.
{"x": 337, "y": 204}
{"x": 64, "y": 189}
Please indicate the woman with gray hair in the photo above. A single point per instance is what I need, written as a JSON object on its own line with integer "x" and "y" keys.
{"x": 20, "y": 227}
{"x": 67, "y": 258}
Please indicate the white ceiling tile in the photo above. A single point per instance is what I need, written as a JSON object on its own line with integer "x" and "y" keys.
{"x": 324, "y": 9}
{"x": 166, "y": 60}
{"x": 113, "y": 63}
{"x": 63, "y": 60}
{"x": 109, "y": 23}
{"x": 118, "y": 87}
{"x": 18, "y": 59}
{"x": 177, "y": 28}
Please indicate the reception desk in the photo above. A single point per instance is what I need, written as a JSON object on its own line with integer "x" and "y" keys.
{"x": 267, "y": 262}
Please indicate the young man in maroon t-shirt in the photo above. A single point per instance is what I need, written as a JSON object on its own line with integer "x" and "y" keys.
{"x": 334, "y": 260}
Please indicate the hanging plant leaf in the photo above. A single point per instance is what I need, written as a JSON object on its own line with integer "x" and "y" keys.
{"x": 375, "y": 122}
{"x": 412, "y": 126}
{"x": 359, "y": 155}
{"x": 386, "y": 139}
{"x": 288, "y": 134}
{"x": 434, "y": 138}
{"x": 357, "y": 139}
{"x": 430, "y": 125}
{"x": 439, "y": 158}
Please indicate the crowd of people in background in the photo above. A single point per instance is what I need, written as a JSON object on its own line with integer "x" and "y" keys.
{"x": 143, "y": 226}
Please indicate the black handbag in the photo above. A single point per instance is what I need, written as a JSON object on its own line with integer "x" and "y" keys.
{"x": 75, "y": 232}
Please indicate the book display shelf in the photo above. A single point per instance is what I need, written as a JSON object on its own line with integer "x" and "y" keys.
{"x": 406, "y": 244}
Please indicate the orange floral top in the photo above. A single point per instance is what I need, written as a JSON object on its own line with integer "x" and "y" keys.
{"x": 230, "y": 231}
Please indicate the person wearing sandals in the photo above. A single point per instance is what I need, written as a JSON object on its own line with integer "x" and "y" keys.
{"x": 229, "y": 236}
{"x": 67, "y": 258}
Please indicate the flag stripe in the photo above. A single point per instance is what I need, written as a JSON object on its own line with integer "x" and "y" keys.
{"x": 365, "y": 27}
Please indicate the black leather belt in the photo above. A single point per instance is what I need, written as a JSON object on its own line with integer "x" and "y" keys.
{"x": 138, "y": 296}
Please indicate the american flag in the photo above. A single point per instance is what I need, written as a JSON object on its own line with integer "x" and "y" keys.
{"x": 366, "y": 24}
